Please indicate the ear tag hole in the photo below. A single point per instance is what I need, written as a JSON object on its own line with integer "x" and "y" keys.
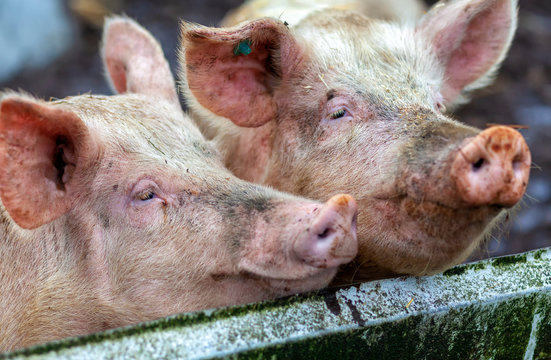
{"x": 243, "y": 48}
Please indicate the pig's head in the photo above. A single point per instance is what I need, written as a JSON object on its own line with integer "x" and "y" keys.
{"x": 142, "y": 204}
{"x": 341, "y": 102}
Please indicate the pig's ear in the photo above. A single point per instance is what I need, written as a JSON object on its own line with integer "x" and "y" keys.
{"x": 470, "y": 38}
{"x": 41, "y": 153}
{"x": 233, "y": 71}
{"x": 134, "y": 60}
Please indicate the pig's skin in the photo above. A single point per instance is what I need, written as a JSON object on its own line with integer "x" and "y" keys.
{"x": 116, "y": 210}
{"x": 394, "y": 147}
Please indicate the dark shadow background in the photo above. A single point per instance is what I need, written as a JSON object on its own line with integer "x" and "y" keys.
{"x": 520, "y": 95}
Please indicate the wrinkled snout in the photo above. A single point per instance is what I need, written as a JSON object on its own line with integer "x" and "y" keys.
{"x": 492, "y": 168}
{"x": 330, "y": 240}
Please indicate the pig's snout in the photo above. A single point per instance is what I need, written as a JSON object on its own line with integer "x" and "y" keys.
{"x": 492, "y": 168}
{"x": 331, "y": 238}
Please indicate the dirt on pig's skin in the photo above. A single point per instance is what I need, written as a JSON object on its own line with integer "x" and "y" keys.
{"x": 521, "y": 85}
{"x": 356, "y": 104}
{"x": 115, "y": 210}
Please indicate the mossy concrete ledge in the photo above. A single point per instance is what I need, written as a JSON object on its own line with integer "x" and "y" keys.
{"x": 494, "y": 309}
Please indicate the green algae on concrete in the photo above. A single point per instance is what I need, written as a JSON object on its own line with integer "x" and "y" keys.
{"x": 494, "y": 309}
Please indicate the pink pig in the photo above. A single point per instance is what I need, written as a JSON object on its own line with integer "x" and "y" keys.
{"x": 339, "y": 102}
{"x": 116, "y": 210}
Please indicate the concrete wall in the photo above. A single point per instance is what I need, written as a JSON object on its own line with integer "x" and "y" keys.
{"x": 494, "y": 309}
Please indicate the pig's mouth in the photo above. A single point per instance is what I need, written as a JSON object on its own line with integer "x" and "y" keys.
{"x": 425, "y": 208}
{"x": 436, "y": 220}
{"x": 421, "y": 237}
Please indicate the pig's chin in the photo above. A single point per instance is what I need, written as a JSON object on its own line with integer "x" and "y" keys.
{"x": 420, "y": 237}
{"x": 314, "y": 280}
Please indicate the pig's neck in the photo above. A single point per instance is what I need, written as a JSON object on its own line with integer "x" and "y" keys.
{"x": 19, "y": 277}
{"x": 247, "y": 151}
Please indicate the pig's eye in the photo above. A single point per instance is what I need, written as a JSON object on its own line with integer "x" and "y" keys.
{"x": 337, "y": 110}
{"x": 337, "y": 114}
{"x": 441, "y": 107}
{"x": 146, "y": 195}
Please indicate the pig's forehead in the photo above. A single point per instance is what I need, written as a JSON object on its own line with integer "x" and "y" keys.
{"x": 137, "y": 124}
{"x": 371, "y": 52}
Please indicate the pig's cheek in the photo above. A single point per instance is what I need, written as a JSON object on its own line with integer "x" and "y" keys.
{"x": 335, "y": 130}
{"x": 148, "y": 214}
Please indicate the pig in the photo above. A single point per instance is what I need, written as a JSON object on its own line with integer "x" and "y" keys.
{"x": 116, "y": 210}
{"x": 340, "y": 102}
{"x": 293, "y": 11}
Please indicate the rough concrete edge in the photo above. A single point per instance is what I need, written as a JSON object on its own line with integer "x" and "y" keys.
{"x": 349, "y": 318}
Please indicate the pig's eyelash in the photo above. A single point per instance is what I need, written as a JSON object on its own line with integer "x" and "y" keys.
{"x": 439, "y": 102}
{"x": 337, "y": 114}
{"x": 146, "y": 195}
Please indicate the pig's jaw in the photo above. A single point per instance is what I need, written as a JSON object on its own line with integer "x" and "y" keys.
{"x": 252, "y": 287}
{"x": 298, "y": 277}
{"x": 282, "y": 287}
{"x": 419, "y": 238}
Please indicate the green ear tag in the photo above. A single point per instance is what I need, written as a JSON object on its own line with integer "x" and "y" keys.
{"x": 243, "y": 48}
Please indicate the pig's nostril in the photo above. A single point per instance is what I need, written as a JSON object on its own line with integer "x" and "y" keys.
{"x": 492, "y": 168}
{"x": 478, "y": 164}
{"x": 331, "y": 239}
{"x": 325, "y": 233}
{"x": 518, "y": 163}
